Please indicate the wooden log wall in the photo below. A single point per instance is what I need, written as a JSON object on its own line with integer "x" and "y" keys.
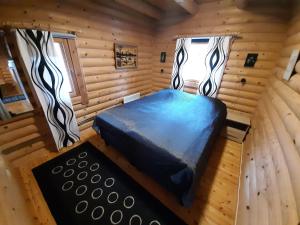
{"x": 261, "y": 31}
{"x": 97, "y": 28}
{"x": 269, "y": 183}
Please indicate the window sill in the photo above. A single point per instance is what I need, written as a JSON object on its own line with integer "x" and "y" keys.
{"x": 191, "y": 83}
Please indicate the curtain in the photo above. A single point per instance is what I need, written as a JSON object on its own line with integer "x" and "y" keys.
{"x": 181, "y": 57}
{"x": 37, "y": 52}
{"x": 215, "y": 61}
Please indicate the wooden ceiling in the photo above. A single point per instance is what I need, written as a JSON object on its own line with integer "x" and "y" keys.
{"x": 156, "y": 13}
{"x": 156, "y": 10}
{"x": 244, "y": 4}
{"x": 170, "y": 11}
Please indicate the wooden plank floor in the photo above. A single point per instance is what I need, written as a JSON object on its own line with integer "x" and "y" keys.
{"x": 215, "y": 202}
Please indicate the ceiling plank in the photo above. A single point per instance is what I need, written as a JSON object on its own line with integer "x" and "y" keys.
{"x": 247, "y": 4}
{"x": 141, "y": 7}
{"x": 242, "y": 4}
{"x": 163, "y": 5}
{"x": 189, "y": 6}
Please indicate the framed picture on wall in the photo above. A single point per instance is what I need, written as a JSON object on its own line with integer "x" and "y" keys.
{"x": 126, "y": 56}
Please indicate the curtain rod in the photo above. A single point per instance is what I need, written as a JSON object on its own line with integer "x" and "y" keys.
{"x": 234, "y": 35}
{"x": 68, "y": 35}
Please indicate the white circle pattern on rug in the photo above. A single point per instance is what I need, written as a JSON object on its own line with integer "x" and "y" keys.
{"x": 68, "y": 172}
{"x": 128, "y": 202}
{"x": 94, "y": 167}
{"x": 96, "y": 193}
{"x": 82, "y": 164}
{"x": 82, "y": 155}
{"x": 96, "y": 179}
{"x": 109, "y": 182}
{"x": 57, "y": 170}
{"x": 96, "y": 211}
{"x": 112, "y": 197}
{"x": 71, "y": 162}
{"x": 135, "y": 218}
{"x": 154, "y": 222}
{"x": 81, "y": 190}
{"x": 82, "y": 175}
{"x": 67, "y": 185}
{"x": 81, "y": 207}
{"x": 116, "y": 217}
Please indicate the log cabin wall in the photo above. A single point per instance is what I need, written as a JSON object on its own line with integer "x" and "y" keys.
{"x": 269, "y": 183}
{"x": 97, "y": 28}
{"x": 261, "y": 31}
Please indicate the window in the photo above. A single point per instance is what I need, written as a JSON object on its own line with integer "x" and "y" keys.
{"x": 194, "y": 69}
{"x": 63, "y": 64}
{"x": 68, "y": 62}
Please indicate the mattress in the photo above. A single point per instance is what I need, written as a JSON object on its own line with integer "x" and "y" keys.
{"x": 167, "y": 135}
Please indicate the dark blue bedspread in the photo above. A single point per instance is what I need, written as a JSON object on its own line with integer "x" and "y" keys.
{"x": 167, "y": 135}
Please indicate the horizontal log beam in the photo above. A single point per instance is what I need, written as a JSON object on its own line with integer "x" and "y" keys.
{"x": 141, "y": 7}
{"x": 190, "y": 6}
{"x": 241, "y": 4}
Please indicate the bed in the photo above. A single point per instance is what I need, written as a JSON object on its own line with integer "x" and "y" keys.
{"x": 167, "y": 135}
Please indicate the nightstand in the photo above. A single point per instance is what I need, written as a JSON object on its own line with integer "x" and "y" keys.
{"x": 237, "y": 126}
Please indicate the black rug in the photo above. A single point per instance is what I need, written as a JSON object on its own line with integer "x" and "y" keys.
{"x": 84, "y": 187}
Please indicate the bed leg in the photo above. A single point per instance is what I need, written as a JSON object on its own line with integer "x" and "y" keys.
{"x": 106, "y": 142}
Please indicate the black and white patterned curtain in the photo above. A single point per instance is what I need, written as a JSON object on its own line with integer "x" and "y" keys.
{"x": 181, "y": 56}
{"x": 37, "y": 52}
{"x": 215, "y": 62}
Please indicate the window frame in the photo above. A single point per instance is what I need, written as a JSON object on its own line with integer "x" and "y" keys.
{"x": 68, "y": 62}
{"x": 69, "y": 48}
